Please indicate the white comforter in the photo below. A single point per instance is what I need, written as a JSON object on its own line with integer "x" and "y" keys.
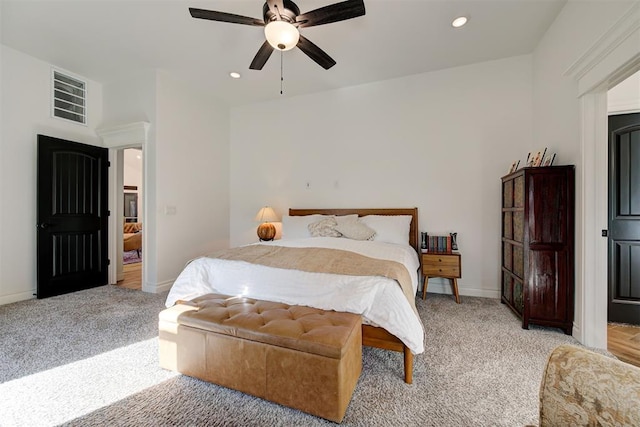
{"x": 379, "y": 300}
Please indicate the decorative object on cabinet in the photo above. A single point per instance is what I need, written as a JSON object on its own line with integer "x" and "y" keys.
{"x": 537, "y": 245}
{"x": 529, "y": 162}
{"x": 266, "y": 230}
{"x": 549, "y": 160}
{"x": 514, "y": 166}
{"x": 446, "y": 265}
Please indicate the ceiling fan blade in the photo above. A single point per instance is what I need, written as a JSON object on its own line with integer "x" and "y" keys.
{"x": 212, "y": 15}
{"x": 332, "y": 13}
{"x": 315, "y": 53}
{"x": 261, "y": 57}
{"x": 276, "y": 7}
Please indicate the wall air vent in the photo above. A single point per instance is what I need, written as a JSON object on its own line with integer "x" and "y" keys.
{"x": 69, "y": 97}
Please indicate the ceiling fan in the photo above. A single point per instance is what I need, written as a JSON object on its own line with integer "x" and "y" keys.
{"x": 281, "y": 21}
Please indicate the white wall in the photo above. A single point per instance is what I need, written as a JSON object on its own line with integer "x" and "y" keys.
{"x": 26, "y": 87}
{"x": 192, "y": 176}
{"x": 127, "y": 101}
{"x": 439, "y": 141}
{"x": 186, "y": 163}
{"x": 557, "y": 107}
{"x": 625, "y": 97}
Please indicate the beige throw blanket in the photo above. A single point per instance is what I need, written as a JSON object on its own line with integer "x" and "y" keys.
{"x": 322, "y": 260}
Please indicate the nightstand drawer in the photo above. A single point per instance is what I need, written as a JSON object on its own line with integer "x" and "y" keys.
{"x": 441, "y": 265}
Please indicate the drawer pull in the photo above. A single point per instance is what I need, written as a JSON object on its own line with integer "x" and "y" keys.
{"x": 440, "y": 270}
{"x": 439, "y": 259}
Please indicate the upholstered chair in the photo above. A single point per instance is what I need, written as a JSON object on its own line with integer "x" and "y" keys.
{"x": 583, "y": 388}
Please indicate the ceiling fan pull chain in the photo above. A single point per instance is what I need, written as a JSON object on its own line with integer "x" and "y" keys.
{"x": 281, "y": 71}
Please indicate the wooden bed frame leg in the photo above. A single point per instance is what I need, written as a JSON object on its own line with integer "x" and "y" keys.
{"x": 408, "y": 365}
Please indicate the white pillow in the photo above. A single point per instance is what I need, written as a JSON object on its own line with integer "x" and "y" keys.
{"x": 389, "y": 228}
{"x": 355, "y": 230}
{"x": 297, "y": 227}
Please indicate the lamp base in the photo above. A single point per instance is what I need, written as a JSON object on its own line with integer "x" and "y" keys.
{"x": 266, "y": 232}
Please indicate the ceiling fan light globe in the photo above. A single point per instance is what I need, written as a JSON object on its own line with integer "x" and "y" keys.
{"x": 281, "y": 35}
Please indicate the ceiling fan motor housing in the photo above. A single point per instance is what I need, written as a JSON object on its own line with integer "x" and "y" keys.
{"x": 289, "y": 13}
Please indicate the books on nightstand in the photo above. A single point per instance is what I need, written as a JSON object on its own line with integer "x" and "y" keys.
{"x": 439, "y": 244}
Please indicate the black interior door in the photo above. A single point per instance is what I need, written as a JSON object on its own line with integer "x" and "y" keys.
{"x": 72, "y": 216}
{"x": 624, "y": 218}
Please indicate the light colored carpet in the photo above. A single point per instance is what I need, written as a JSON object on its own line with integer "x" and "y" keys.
{"x": 90, "y": 359}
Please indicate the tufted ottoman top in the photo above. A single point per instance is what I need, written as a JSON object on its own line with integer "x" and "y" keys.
{"x": 306, "y": 329}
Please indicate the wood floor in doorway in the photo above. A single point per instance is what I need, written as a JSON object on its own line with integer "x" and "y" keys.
{"x": 132, "y": 276}
{"x": 624, "y": 342}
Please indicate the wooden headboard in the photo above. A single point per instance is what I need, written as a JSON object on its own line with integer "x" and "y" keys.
{"x": 414, "y": 233}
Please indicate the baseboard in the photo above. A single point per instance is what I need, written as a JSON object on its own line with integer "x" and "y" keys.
{"x": 156, "y": 288}
{"x": 21, "y": 296}
{"x": 576, "y": 332}
{"x": 442, "y": 286}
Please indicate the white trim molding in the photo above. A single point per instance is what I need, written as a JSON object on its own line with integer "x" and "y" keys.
{"x": 624, "y": 107}
{"x": 158, "y": 288}
{"x": 614, "y": 57}
{"x": 438, "y": 285}
{"x": 596, "y": 65}
{"x": 592, "y": 324}
{"x": 116, "y": 138}
{"x": 22, "y": 296}
{"x": 129, "y": 135}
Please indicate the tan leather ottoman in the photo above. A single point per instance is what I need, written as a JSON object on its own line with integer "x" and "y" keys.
{"x": 301, "y": 357}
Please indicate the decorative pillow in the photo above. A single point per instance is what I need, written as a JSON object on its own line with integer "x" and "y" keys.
{"x": 296, "y": 227}
{"x": 356, "y": 230}
{"x": 389, "y": 228}
{"x": 326, "y": 227}
{"x": 343, "y": 219}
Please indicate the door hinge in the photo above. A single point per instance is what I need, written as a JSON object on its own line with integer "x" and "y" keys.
{"x": 108, "y": 164}
{"x": 108, "y": 213}
{"x": 605, "y": 233}
{"x": 108, "y": 262}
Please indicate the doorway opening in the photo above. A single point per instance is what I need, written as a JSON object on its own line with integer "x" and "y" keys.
{"x": 623, "y": 267}
{"x": 131, "y": 195}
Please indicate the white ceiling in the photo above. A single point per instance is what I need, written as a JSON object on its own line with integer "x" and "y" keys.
{"x": 107, "y": 40}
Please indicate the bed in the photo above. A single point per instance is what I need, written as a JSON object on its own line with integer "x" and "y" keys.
{"x": 386, "y": 302}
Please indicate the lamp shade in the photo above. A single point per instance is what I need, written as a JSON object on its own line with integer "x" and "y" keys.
{"x": 266, "y": 214}
{"x": 281, "y": 35}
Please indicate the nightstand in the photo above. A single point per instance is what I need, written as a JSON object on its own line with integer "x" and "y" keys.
{"x": 442, "y": 264}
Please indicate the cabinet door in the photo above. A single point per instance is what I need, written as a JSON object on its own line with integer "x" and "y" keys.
{"x": 548, "y": 205}
{"x": 547, "y": 282}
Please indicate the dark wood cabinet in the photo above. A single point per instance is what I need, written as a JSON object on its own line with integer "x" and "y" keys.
{"x": 538, "y": 245}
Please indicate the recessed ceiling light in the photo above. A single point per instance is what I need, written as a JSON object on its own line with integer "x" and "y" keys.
{"x": 234, "y": 75}
{"x": 459, "y": 21}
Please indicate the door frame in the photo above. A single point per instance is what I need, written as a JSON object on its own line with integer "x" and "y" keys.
{"x": 613, "y": 58}
{"x": 116, "y": 138}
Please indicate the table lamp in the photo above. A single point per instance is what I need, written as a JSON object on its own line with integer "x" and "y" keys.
{"x": 266, "y": 230}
